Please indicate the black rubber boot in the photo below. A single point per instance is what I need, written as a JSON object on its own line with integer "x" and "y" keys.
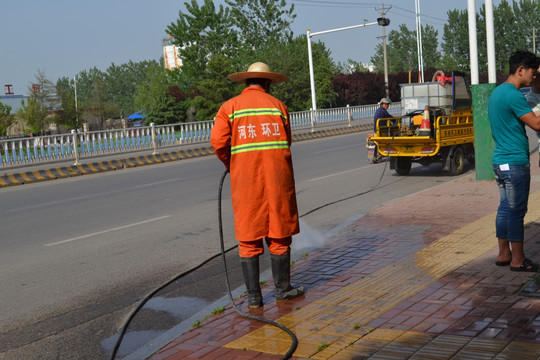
{"x": 281, "y": 272}
{"x": 250, "y": 268}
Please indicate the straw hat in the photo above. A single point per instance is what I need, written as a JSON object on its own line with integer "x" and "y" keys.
{"x": 258, "y": 70}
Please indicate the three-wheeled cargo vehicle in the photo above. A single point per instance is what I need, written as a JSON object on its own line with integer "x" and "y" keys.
{"x": 436, "y": 126}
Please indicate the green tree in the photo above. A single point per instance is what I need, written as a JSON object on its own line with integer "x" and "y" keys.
{"x": 99, "y": 104}
{"x": 260, "y": 22}
{"x": 291, "y": 58}
{"x": 6, "y": 118}
{"x": 67, "y": 113}
{"x": 44, "y": 91}
{"x": 155, "y": 100}
{"x": 215, "y": 89}
{"x": 33, "y": 114}
{"x": 513, "y": 26}
{"x": 121, "y": 83}
{"x": 402, "y": 51}
{"x": 507, "y": 37}
{"x": 455, "y": 42}
{"x": 527, "y": 12}
{"x": 85, "y": 86}
{"x": 200, "y": 33}
{"x": 42, "y": 100}
{"x": 324, "y": 68}
{"x": 430, "y": 44}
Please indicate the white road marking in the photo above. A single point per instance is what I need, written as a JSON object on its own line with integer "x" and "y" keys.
{"x": 339, "y": 173}
{"x": 106, "y": 231}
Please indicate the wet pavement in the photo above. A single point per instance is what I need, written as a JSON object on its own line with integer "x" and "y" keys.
{"x": 413, "y": 279}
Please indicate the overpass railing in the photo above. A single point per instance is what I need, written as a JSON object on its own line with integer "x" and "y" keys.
{"x": 36, "y": 150}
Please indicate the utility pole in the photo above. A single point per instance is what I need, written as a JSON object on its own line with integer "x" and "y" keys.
{"x": 534, "y": 41}
{"x": 76, "y": 102}
{"x": 419, "y": 40}
{"x": 383, "y": 13}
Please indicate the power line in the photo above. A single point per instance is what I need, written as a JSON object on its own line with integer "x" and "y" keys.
{"x": 332, "y": 3}
{"x": 347, "y": 4}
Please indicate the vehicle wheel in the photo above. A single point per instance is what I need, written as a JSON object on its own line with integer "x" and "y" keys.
{"x": 403, "y": 165}
{"x": 457, "y": 163}
{"x": 471, "y": 158}
{"x": 376, "y": 157}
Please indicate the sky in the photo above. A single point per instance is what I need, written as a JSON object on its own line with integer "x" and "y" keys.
{"x": 64, "y": 37}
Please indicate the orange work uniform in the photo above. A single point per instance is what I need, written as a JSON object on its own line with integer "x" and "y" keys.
{"x": 252, "y": 137}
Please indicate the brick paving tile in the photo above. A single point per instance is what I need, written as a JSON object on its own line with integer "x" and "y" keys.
{"x": 219, "y": 353}
{"x": 466, "y": 313}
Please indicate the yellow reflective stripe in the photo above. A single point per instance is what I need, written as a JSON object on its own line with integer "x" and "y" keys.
{"x": 256, "y": 112}
{"x": 269, "y": 145}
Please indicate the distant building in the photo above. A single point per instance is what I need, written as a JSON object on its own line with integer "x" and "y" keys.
{"x": 11, "y": 99}
{"x": 170, "y": 54}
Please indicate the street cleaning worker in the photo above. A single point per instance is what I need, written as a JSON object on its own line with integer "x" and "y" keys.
{"x": 252, "y": 137}
{"x": 381, "y": 112}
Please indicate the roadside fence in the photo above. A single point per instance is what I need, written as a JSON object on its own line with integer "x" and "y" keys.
{"x": 36, "y": 150}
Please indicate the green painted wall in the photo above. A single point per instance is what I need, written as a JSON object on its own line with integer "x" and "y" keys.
{"x": 483, "y": 142}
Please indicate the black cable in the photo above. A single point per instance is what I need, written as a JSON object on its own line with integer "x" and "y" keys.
{"x": 222, "y": 253}
{"x": 294, "y": 344}
{"x": 359, "y": 194}
{"x": 150, "y": 295}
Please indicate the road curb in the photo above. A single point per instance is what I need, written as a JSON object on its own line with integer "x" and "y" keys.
{"x": 33, "y": 176}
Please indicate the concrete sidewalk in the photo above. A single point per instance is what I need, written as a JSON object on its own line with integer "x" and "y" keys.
{"x": 413, "y": 279}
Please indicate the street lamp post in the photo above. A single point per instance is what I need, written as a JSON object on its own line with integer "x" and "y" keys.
{"x": 384, "y": 22}
{"x": 419, "y": 40}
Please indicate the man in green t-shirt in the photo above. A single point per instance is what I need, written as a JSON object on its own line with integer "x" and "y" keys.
{"x": 508, "y": 113}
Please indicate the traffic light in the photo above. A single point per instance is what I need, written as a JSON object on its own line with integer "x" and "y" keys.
{"x": 382, "y": 21}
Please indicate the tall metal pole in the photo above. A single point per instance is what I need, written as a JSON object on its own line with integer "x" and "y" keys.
{"x": 534, "y": 41}
{"x": 76, "y": 102}
{"x": 473, "y": 44}
{"x": 419, "y": 40}
{"x": 386, "y": 90}
{"x": 311, "y": 76}
{"x": 490, "y": 37}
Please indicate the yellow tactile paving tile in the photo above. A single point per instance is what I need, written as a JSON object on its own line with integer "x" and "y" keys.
{"x": 363, "y": 301}
{"x": 305, "y": 350}
{"x": 272, "y": 346}
{"x": 520, "y": 351}
{"x": 481, "y": 349}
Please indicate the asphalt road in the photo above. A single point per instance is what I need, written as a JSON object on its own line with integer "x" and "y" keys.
{"x": 77, "y": 254}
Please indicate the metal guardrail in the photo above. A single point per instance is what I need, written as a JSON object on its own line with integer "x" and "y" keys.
{"x": 37, "y": 150}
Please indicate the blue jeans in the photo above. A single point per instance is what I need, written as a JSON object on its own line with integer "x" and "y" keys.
{"x": 514, "y": 185}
